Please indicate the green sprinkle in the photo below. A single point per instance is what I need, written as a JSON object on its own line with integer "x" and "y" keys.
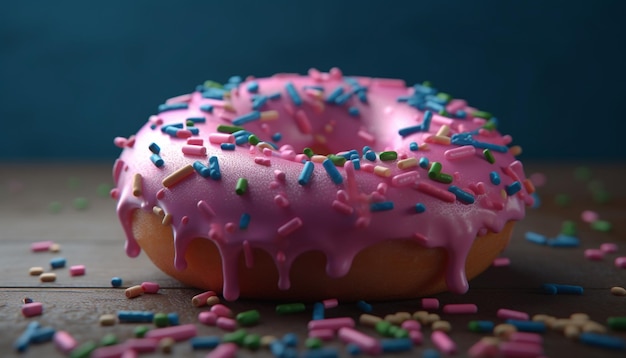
{"x": 435, "y": 170}
{"x": 383, "y": 328}
{"x": 489, "y": 156}
{"x": 189, "y": 123}
{"x": 474, "y": 326}
{"x": 104, "y": 190}
{"x": 252, "y": 341}
{"x": 308, "y": 152}
{"x": 444, "y": 96}
{"x": 338, "y": 160}
{"x": 490, "y": 125}
{"x": 401, "y": 333}
{"x": 73, "y": 182}
{"x": 601, "y": 196}
{"x": 81, "y": 203}
{"x": 55, "y": 207}
{"x": 161, "y": 320}
{"x": 387, "y": 156}
{"x": 140, "y": 331}
{"x": 236, "y": 337}
{"x": 582, "y": 173}
{"x": 254, "y": 140}
{"x": 242, "y": 186}
{"x": 108, "y": 339}
{"x": 248, "y": 318}
{"x": 222, "y": 128}
{"x": 444, "y": 113}
{"x": 617, "y": 323}
{"x": 84, "y": 350}
{"x": 313, "y": 343}
{"x": 443, "y": 178}
{"x": 601, "y": 225}
{"x": 569, "y": 228}
{"x": 562, "y": 200}
{"x": 212, "y": 84}
{"x": 482, "y": 114}
{"x": 427, "y": 84}
{"x": 287, "y": 308}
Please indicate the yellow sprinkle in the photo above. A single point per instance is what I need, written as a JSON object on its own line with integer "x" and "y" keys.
{"x": 54, "y": 247}
{"x": 369, "y": 320}
{"x": 618, "y": 291}
{"x": 443, "y": 131}
{"x": 107, "y": 320}
{"x": 595, "y": 327}
{"x": 48, "y": 277}
{"x": 515, "y": 150}
{"x": 177, "y": 176}
{"x": 318, "y": 158}
{"x": 269, "y": 115}
{"x": 262, "y": 145}
{"x": 320, "y": 139}
{"x": 503, "y": 193}
{"x": 158, "y": 211}
{"x": 438, "y": 140}
{"x": 329, "y": 128}
{"x": 423, "y": 146}
{"x": 35, "y": 271}
{"x": 504, "y": 330}
{"x": 443, "y": 326}
{"x": 382, "y": 171}
{"x": 212, "y": 300}
{"x": 407, "y": 163}
{"x": 167, "y": 219}
{"x": 403, "y": 316}
{"x": 137, "y": 185}
{"x": 571, "y": 331}
{"x": 133, "y": 291}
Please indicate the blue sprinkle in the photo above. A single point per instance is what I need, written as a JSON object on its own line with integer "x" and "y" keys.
{"x": 343, "y": 98}
{"x": 462, "y": 139}
{"x": 495, "y": 178}
{"x": 361, "y": 93}
{"x": 227, "y": 146}
{"x": 305, "y": 175}
{"x": 460, "y": 114}
{"x": 318, "y": 311}
{"x": 371, "y": 156}
{"x": 154, "y": 148}
{"x": 332, "y": 171}
{"x": 513, "y": 188}
{"x": 135, "y": 316}
{"x": 58, "y": 262}
{"x": 170, "y": 107}
{"x": 528, "y": 326}
{"x": 259, "y": 102}
{"x": 235, "y": 79}
{"x": 420, "y": 208}
{"x": 356, "y": 163}
{"x": 22, "y": 342}
{"x": 419, "y": 88}
{"x": 43, "y": 334}
{"x": 290, "y": 340}
{"x": 242, "y": 139}
{"x": 353, "y": 111}
{"x": 214, "y": 167}
{"x": 274, "y": 96}
{"x": 485, "y": 326}
{"x": 206, "y": 108}
{"x": 396, "y": 345}
{"x": 366, "y": 149}
{"x": 428, "y": 116}
{"x": 276, "y": 137}
{"x": 364, "y": 306}
{"x": 172, "y": 319}
{"x": 244, "y": 221}
{"x": 402, "y": 99}
{"x": 461, "y": 195}
{"x": 494, "y": 147}
{"x": 157, "y": 160}
{"x": 381, "y": 206}
{"x": 602, "y": 340}
{"x": 554, "y": 289}
{"x": 171, "y": 130}
{"x": 197, "y": 119}
{"x": 201, "y": 169}
{"x": 413, "y": 147}
{"x": 205, "y": 342}
{"x": 253, "y": 87}
{"x": 423, "y": 162}
{"x": 353, "y": 349}
{"x": 246, "y": 118}
{"x": 410, "y": 130}
{"x": 317, "y": 88}
{"x": 293, "y": 94}
{"x": 194, "y": 130}
{"x": 278, "y": 348}
{"x": 323, "y": 352}
{"x": 430, "y": 353}
{"x": 564, "y": 241}
{"x": 153, "y": 126}
{"x": 332, "y": 97}
{"x": 116, "y": 282}
{"x": 214, "y": 93}
{"x": 537, "y": 200}
{"x": 432, "y": 105}
{"x": 536, "y": 238}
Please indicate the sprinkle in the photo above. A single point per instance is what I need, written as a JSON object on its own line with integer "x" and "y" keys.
{"x": 157, "y": 160}
{"x": 58, "y": 262}
{"x": 194, "y": 150}
{"x": 366, "y": 136}
{"x": 601, "y": 225}
{"x": 406, "y": 131}
{"x": 289, "y": 308}
{"x": 332, "y": 171}
{"x": 364, "y": 306}
{"x": 330, "y": 303}
{"x": 382, "y": 171}
{"x": 135, "y": 316}
{"x": 430, "y": 303}
{"x": 171, "y": 107}
{"x": 495, "y": 178}
{"x": 481, "y": 326}
{"x": 48, "y": 277}
{"x": 407, "y": 163}
{"x": 413, "y": 147}
{"x": 178, "y": 333}
{"x": 370, "y": 155}
{"x": 404, "y": 179}
{"x": 116, "y": 282}
{"x": 247, "y": 118}
{"x": 318, "y": 313}
{"x": 513, "y": 188}
{"x": 594, "y": 254}
{"x": 41, "y": 246}
{"x": 242, "y": 186}
{"x": 460, "y": 308}
{"x": 602, "y": 341}
{"x": 618, "y": 291}
{"x": 201, "y": 169}
{"x": 214, "y": 168}
{"x": 262, "y": 161}
{"x": 133, "y": 291}
{"x": 306, "y": 173}
{"x": 331, "y": 323}
{"x": 620, "y": 262}
{"x": 462, "y": 152}
{"x": 443, "y": 342}
{"x": 382, "y": 206}
{"x": 461, "y": 195}
{"x": 77, "y": 270}
{"x": 368, "y": 344}
{"x": 554, "y": 289}
{"x": 535, "y": 237}
{"x": 293, "y": 94}
{"x": 501, "y": 261}
{"x": 244, "y": 221}
{"x": 177, "y": 176}
{"x": 388, "y": 156}
{"x": 436, "y": 192}
{"x": 564, "y": 241}
{"x": 289, "y": 227}
{"x": 353, "y": 111}
{"x": 505, "y": 313}
{"x": 32, "y": 309}
{"x": 608, "y": 247}
{"x": 227, "y": 146}
{"x": 150, "y": 287}
{"x": 527, "y": 326}
{"x": 35, "y": 271}
{"x": 423, "y": 162}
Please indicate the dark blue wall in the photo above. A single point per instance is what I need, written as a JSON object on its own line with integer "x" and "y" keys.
{"x": 552, "y": 72}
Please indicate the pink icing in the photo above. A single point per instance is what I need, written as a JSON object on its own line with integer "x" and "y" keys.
{"x": 286, "y": 218}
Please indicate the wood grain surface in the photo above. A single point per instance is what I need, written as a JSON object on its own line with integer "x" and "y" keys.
{"x": 93, "y": 237}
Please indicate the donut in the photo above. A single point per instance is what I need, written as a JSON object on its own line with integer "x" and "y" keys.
{"x": 319, "y": 185}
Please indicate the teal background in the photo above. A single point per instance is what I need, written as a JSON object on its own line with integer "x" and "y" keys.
{"x": 75, "y": 74}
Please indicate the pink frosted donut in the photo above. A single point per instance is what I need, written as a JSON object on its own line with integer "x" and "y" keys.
{"x": 319, "y": 186}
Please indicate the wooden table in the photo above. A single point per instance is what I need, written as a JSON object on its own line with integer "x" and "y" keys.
{"x": 31, "y": 193}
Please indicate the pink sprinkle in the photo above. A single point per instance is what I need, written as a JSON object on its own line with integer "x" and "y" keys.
{"x": 224, "y": 350}
{"x": 32, "y": 309}
{"x": 342, "y": 207}
{"x": 194, "y": 150}
{"x": 335, "y": 73}
{"x": 405, "y": 179}
{"x": 145, "y": 345}
{"x": 221, "y": 311}
{"x": 594, "y": 254}
{"x": 463, "y": 152}
{"x": 227, "y": 324}
{"x": 129, "y": 353}
{"x": 482, "y": 349}
{"x": 199, "y": 300}
{"x": 155, "y": 119}
{"x": 368, "y": 344}
{"x": 113, "y": 351}
{"x": 230, "y": 227}
{"x": 609, "y": 247}
{"x": 430, "y": 303}
{"x": 183, "y": 133}
{"x": 589, "y": 216}
{"x": 150, "y": 287}
{"x": 195, "y": 141}
{"x": 120, "y": 142}
{"x": 342, "y": 196}
{"x": 268, "y": 152}
{"x": 77, "y": 270}
{"x": 411, "y": 325}
{"x": 501, "y": 261}
{"x": 160, "y": 194}
{"x": 288, "y": 154}
{"x": 436, "y": 192}
{"x": 526, "y": 337}
{"x": 279, "y": 175}
{"x": 455, "y": 104}
{"x": 41, "y": 246}
{"x": 64, "y": 341}
{"x": 300, "y": 158}
{"x": 416, "y": 336}
{"x": 262, "y": 161}
{"x": 367, "y": 137}
{"x": 443, "y": 342}
{"x": 323, "y": 334}
{"x": 219, "y": 138}
{"x": 367, "y": 167}
{"x": 205, "y": 209}
{"x": 520, "y": 349}
{"x": 281, "y": 201}
{"x": 511, "y": 314}
{"x": 178, "y": 333}
{"x": 331, "y": 323}
{"x": 291, "y": 226}
{"x": 315, "y": 74}
{"x": 330, "y": 303}
{"x": 460, "y": 308}
{"x": 208, "y": 318}
{"x": 303, "y": 122}
{"x": 620, "y": 262}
